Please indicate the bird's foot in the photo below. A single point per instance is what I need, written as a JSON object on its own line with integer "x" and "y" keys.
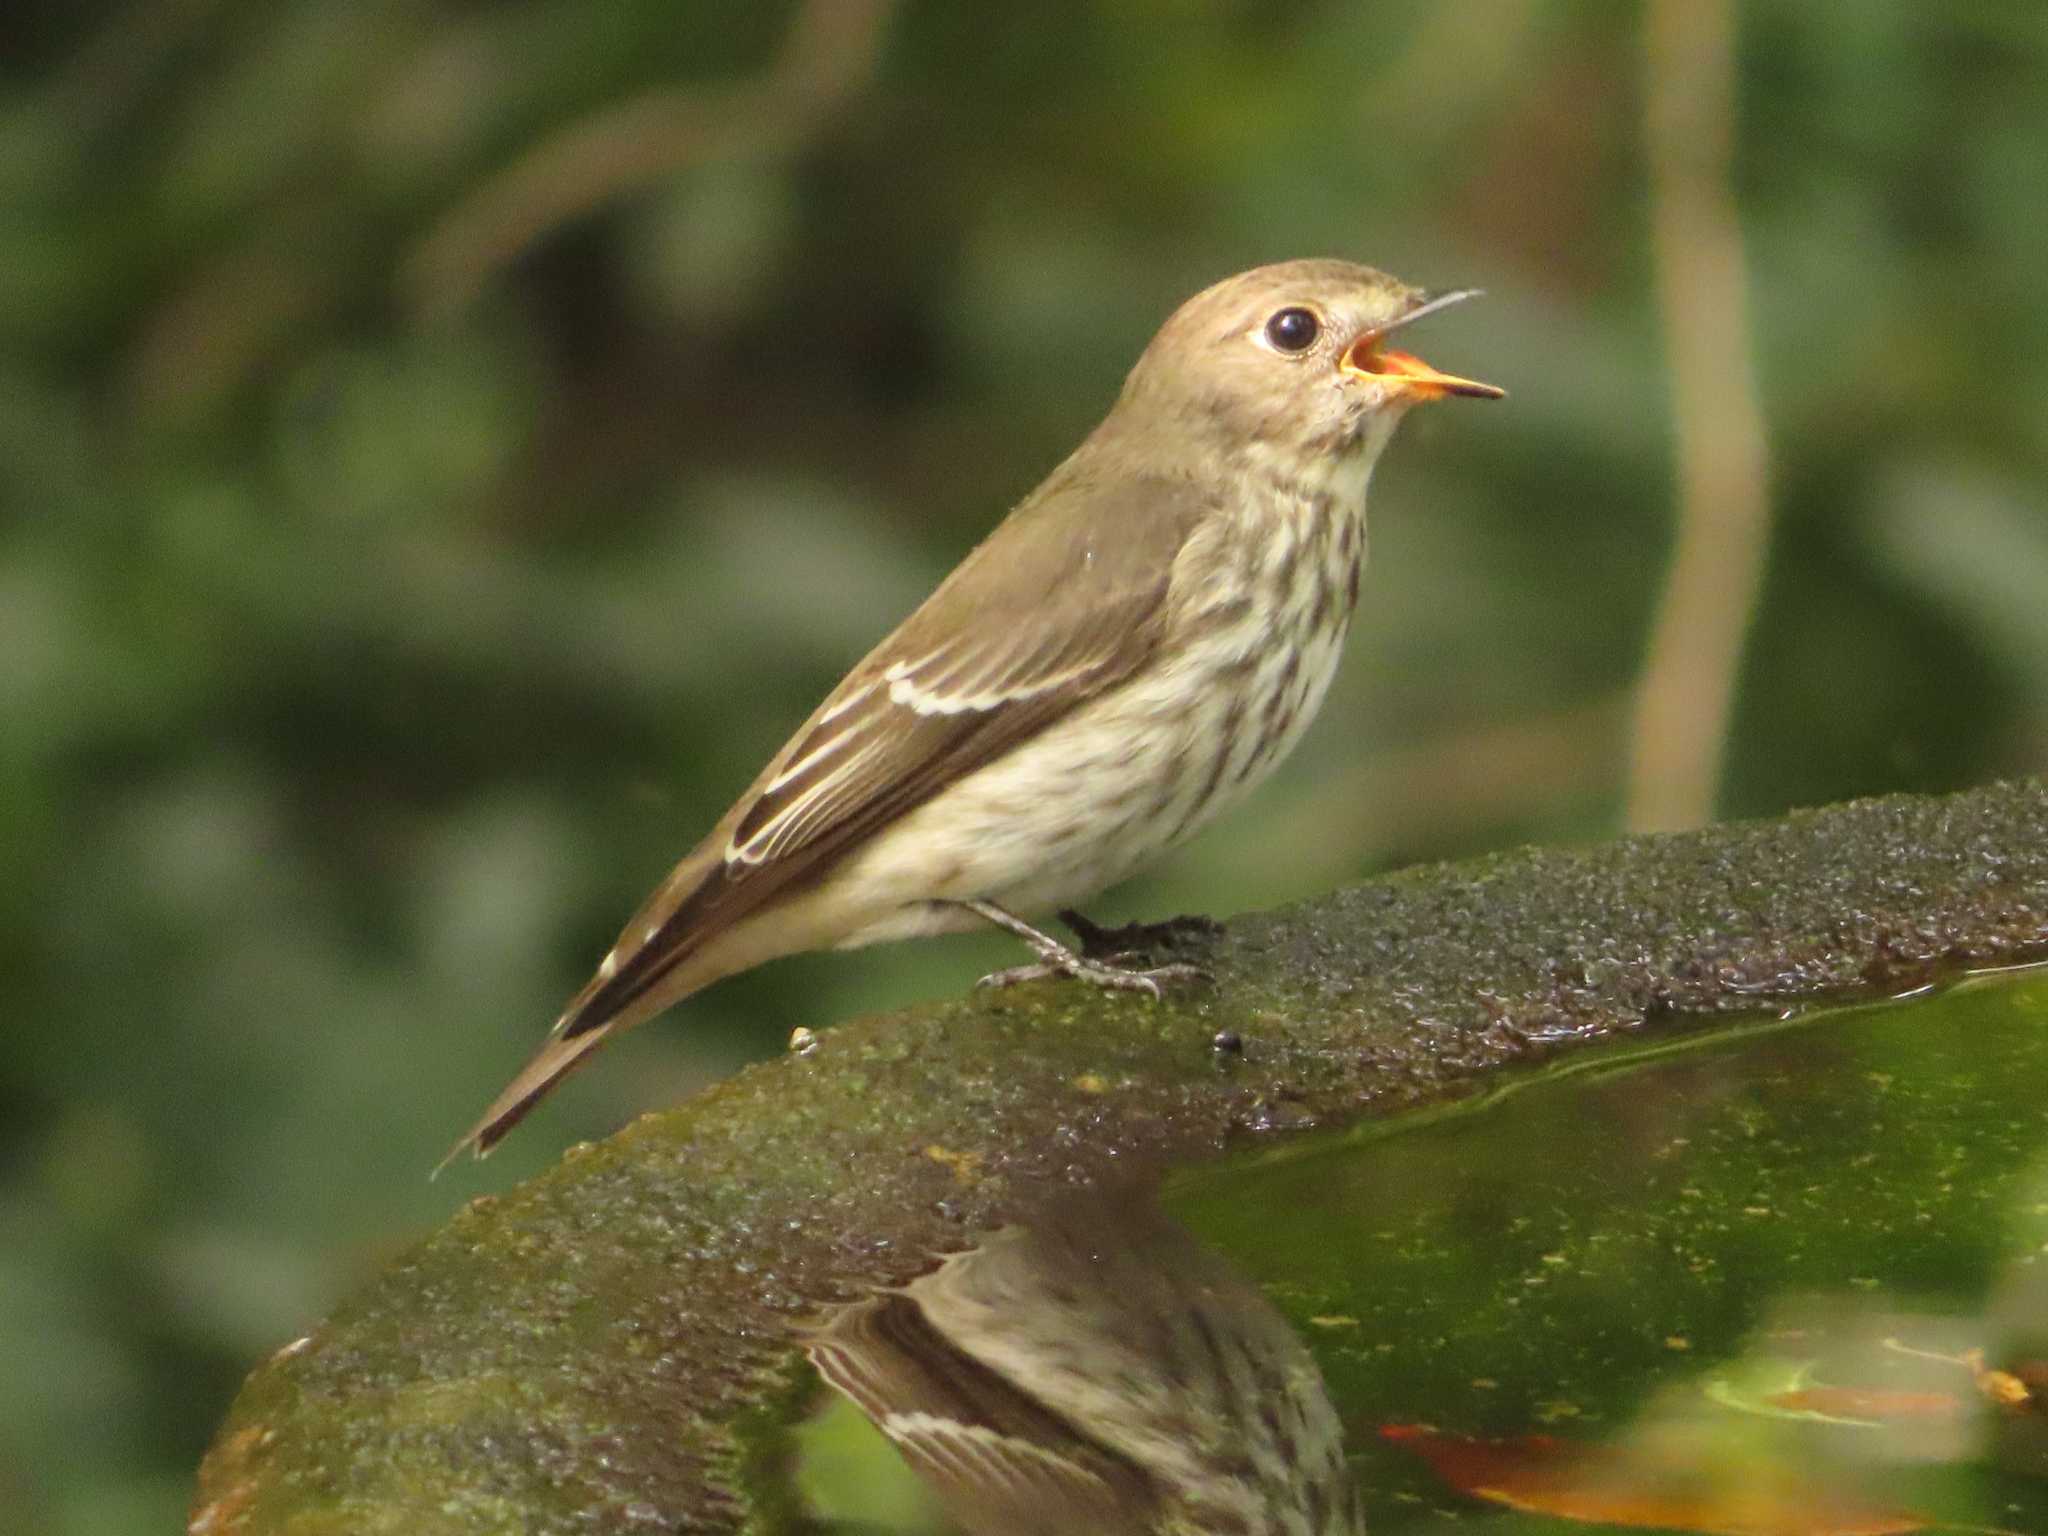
{"x": 1134, "y": 940}
{"x": 1097, "y": 973}
{"x": 1110, "y": 971}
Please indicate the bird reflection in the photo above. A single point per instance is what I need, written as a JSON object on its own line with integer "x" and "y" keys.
{"x": 1098, "y": 1372}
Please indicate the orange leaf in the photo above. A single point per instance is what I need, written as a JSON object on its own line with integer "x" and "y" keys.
{"x": 1868, "y": 1403}
{"x": 1539, "y": 1474}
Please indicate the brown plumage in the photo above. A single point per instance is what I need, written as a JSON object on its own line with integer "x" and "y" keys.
{"x": 1097, "y": 1373}
{"x": 1139, "y": 641}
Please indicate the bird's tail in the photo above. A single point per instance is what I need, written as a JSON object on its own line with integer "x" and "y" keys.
{"x": 613, "y": 1001}
{"x": 649, "y": 968}
{"x": 554, "y": 1061}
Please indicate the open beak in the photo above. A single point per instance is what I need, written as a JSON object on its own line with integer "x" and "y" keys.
{"x": 1370, "y": 357}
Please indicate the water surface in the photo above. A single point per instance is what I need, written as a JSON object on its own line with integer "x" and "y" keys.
{"x": 1788, "y": 1277}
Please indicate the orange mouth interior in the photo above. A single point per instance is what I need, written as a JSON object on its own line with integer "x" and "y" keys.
{"x": 1366, "y": 356}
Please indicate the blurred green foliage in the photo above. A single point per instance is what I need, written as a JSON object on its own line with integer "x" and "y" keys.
{"x": 445, "y": 446}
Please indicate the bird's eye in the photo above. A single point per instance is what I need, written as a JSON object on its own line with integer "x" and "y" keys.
{"x": 1293, "y": 330}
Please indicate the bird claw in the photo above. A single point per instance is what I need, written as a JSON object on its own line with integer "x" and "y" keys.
{"x": 1132, "y": 940}
{"x": 1110, "y": 971}
{"x": 1097, "y": 973}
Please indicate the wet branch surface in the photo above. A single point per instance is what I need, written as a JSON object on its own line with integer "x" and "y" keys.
{"x": 607, "y": 1346}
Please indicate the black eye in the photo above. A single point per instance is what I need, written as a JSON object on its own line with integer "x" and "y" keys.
{"x": 1293, "y": 330}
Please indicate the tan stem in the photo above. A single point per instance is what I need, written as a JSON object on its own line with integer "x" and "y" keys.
{"x": 829, "y": 51}
{"x": 1684, "y": 700}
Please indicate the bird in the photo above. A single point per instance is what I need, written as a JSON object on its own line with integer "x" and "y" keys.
{"x": 1094, "y": 1371}
{"x": 1137, "y": 644}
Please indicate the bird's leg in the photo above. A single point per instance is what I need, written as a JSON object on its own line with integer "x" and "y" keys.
{"x": 1101, "y": 943}
{"x": 1056, "y": 959}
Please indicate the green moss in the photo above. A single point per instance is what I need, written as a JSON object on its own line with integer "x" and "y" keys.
{"x": 608, "y": 1345}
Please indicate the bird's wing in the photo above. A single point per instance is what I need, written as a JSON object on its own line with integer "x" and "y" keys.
{"x": 989, "y": 1449}
{"x": 1065, "y": 599}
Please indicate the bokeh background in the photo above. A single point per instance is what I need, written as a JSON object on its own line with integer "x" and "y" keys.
{"x": 444, "y": 446}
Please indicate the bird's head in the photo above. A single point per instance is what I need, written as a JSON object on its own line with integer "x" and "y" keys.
{"x": 1293, "y": 359}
